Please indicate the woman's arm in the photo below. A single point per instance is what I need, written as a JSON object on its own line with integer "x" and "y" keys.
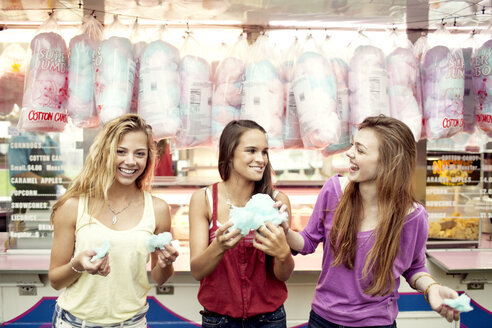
{"x": 162, "y": 259}
{"x": 204, "y": 258}
{"x": 272, "y": 240}
{"x": 61, "y": 273}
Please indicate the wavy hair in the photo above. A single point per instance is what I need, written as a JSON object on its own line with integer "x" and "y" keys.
{"x": 99, "y": 170}
{"x": 396, "y": 196}
{"x": 228, "y": 142}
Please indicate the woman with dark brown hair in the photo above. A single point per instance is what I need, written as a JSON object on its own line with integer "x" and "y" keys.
{"x": 241, "y": 277}
{"x": 373, "y": 231}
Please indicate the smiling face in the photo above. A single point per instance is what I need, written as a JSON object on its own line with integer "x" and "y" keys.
{"x": 251, "y": 155}
{"x": 131, "y": 157}
{"x": 364, "y": 156}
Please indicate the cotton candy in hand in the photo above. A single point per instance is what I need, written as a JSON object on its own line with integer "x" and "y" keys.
{"x": 154, "y": 242}
{"x": 258, "y": 211}
{"x": 461, "y": 304}
{"x": 101, "y": 251}
{"x": 45, "y": 94}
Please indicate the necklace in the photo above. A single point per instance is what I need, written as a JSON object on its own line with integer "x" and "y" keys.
{"x": 115, "y": 213}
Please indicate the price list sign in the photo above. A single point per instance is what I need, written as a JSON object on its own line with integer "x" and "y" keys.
{"x": 453, "y": 195}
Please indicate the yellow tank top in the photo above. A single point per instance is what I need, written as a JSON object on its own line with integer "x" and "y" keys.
{"x": 122, "y": 293}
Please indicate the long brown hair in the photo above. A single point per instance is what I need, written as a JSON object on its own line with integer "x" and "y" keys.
{"x": 229, "y": 140}
{"x": 394, "y": 183}
{"x": 99, "y": 170}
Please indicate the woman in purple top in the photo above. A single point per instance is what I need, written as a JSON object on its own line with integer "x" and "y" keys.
{"x": 373, "y": 231}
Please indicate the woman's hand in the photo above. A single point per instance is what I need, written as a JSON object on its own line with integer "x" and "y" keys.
{"x": 271, "y": 240}
{"x": 83, "y": 260}
{"x": 226, "y": 239}
{"x": 166, "y": 256}
{"x": 436, "y": 295}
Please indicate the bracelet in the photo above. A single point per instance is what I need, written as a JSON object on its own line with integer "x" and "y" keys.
{"x": 427, "y": 290}
{"x": 73, "y": 267}
{"x": 422, "y": 275}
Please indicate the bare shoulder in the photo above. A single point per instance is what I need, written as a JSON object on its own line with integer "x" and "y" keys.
{"x": 199, "y": 195}
{"x": 67, "y": 212}
{"x": 161, "y": 207}
{"x": 282, "y": 197}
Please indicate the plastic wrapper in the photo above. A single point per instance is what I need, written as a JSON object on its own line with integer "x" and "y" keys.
{"x": 114, "y": 78}
{"x": 292, "y": 131}
{"x": 368, "y": 85}
{"x": 481, "y": 70}
{"x": 139, "y": 42}
{"x": 159, "y": 91}
{"x": 81, "y": 104}
{"x": 196, "y": 96}
{"x": 340, "y": 68}
{"x": 443, "y": 90}
{"x": 226, "y": 99}
{"x": 12, "y": 72}
{"x": 263, "y": 96}
{"x": 469, "y": 116}
{"x": 404, "y": 87}
{"x": 45, "y": 92}
{"x": 315, "y": 93}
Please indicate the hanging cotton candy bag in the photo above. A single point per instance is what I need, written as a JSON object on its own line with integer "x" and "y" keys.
{"x": 159, "y": 87}
{"x": 45, "y": 90}
{"x": 81, "y": 104}
{"x": 263, "y": 92}
{"x": 227, "y": 84}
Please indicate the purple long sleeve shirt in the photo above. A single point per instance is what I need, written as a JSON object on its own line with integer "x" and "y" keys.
{"x": 339, "y": 295}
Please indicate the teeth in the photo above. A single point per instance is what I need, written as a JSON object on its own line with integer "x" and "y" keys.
{"x": 127, "y": 171}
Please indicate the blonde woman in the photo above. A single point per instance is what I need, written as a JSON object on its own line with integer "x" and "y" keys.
{"x": 373, "y": 231}
{"x": 109, "y": 201}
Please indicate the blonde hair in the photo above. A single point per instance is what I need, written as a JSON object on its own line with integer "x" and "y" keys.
{"x": 99, "y": 170}
{"x": 394, "y": 183}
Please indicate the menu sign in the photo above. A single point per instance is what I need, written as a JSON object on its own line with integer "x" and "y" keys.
{"x": 453, "y": 169}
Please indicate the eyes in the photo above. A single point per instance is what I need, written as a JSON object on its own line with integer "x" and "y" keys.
{"x": 254, "y": 150}
{"x": 138, "y": 153}
{"x": 358, "y": 149}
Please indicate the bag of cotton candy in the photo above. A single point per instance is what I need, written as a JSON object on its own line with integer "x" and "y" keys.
{"x": 258, "y": 211}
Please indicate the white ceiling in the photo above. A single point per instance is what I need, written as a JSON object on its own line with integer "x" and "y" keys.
{"x": 417, "y": 14}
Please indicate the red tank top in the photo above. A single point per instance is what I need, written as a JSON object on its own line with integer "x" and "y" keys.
{"x": 243, "y": 283}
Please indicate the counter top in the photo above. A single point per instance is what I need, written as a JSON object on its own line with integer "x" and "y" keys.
{"x": 461, "y": 260}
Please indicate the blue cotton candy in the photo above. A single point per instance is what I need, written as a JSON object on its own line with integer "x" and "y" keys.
{"x": 101, "y": 251}
{"x": 158, "y": 241}
{"x": 461, "y": 304}
{"x": 258, "y": 211}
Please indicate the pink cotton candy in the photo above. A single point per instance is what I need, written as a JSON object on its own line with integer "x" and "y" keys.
{"x": 45, "y": 94}
{"x": 368, "y": 84}
{"x": 481, "y": 70}
{"x": 403, "y": 73}
{"x": 443, "y": 91}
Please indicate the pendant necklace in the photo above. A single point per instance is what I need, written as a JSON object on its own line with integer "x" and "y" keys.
{"x": 115, "y": 213}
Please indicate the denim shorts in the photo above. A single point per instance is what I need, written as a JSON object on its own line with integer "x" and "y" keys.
{"x": 275, "y": 319}
{"x": 64, "y": 319}
{"x": 315, "y": 321}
